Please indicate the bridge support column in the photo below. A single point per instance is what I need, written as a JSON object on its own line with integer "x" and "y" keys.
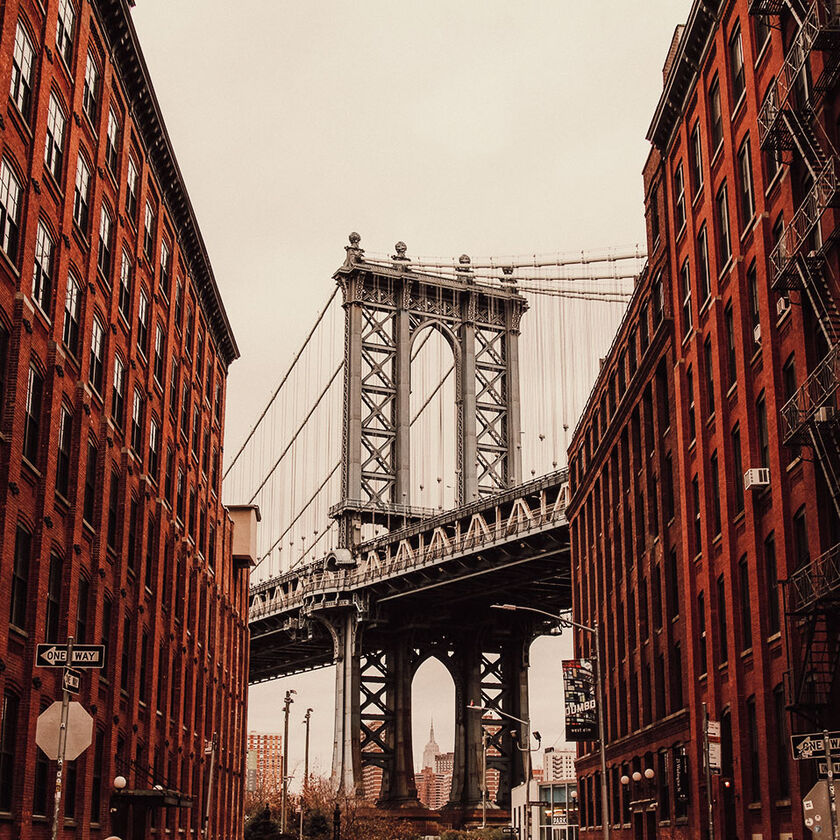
{"x": 466, "y": 770}
{"x": 347, "y": 760}
{"x": 468, "y": 455}
{"x": 515, "y": 675}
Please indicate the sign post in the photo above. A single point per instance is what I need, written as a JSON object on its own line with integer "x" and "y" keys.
{"x": 62, "y": 746}
{"x": 832, "y": 793}
{"x": 707, "y": 726}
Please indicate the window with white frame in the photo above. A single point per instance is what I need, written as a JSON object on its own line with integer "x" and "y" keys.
{"x": 685, "y": 279}
{"x": 149, "y": 230}
{"x": 745, "y": 182}
{"x": 64, "y": 30}
{"x": 160, "y": 354}
{"x": 105, "y": 254}
{"x": 32, "y": 420}
{"x": 70, "y": 333}
{"x": 154, "y": 449}
{"x": 23, "y": 58}
{"x": 736, "y": 65}
{"x": 54, "y": 146}
{"x": 143, "y": 324}
{"x": 42, "y": 270}
{"x": 90, "y": 95}
{"x": 679, "y": 193}
{"x": 132, "y": 188}
{"x": 97, "y": 354}
{"x": 703, "y": 265}
{"x": 81, "y": 194}
{"x": 137, "y": 410}
{"x": 112, "y": 142}
{"x": 65, "y": 434}
{"x": 9, "y": 210}
{"x": 165, "y": 267}
{"x": 724, "y": 236}
{"x": 118, "y": 392}
{"x": 126, "y": 272}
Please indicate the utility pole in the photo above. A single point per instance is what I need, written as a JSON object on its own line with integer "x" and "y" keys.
{"x": 483, "y": 777}
{"x": 62, "y": 742}
{"x": 212, "y": 752}
{"x": 285, "y": 787}
{"x": 305, "y": 770}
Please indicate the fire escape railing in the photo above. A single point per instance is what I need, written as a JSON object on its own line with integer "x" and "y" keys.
{"x": 819, "y": 579}
{"x": 816, "y": 392}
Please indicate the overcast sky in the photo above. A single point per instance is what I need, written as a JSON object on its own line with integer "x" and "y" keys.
{"x": 481, "y": 126}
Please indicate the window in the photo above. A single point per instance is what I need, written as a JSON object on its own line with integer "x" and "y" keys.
{"x": 724, "y": 238}
{"x": 752, "y": 755}
{"x": 9, "y": 210}
{"x": 679, "y": 193}
{"x": 716, "y": 492}
{"x": 132, "y": 189}
{"x": 761, "y": 424}
{"x": 771, "y": 573}
{"x": 165, "y": 267}
{"x": 42, "y": 270}
{"x": 731, "y": 358}
{"x": 696, "y": 159}
{"x": 703, "y": 265}
{"x": 143, "y": 324}
{"x": 90, "y": 96}
{"x": 62, "y": 469}
{"x": 185, "y": 410}
{"x": 685, "y": 282}
{"x": 131, "y": 553}
{"x": 721, "y": 605}
{"x": 196, "y": 437}
{"x": 782, "y": 768}
{"x": 701, "y": 635}
{"x": 137, "y": 414}
{"x": 90, "y": 483}
{"x": 40, "y": 795}
{"x": 113, "y": 511}
{"x": 160, "y": 353}
{"x": 736, "y": 65}
{"x": 762, "y": 32}
{"x": 97, "y": 353}
{"x": 82, "y": 611}
{"x": 654, "y": 216}
{"x": 105, "y": 243}
{"x": 673, "y": 585}
{"x": 802, "y": 552}
{"x": 112, "y": 142}
{"x": 53, "y": 599}
{"x": 70, "y": 333}
{"x": 118, "y": 392}
{"x": 668, "y": 487}
{"x": 173, "y": 390}
{"x": 154, "y": 449}
{"x": 745, "y": 183}
{"x": 179, "y": 504}
{"x": 22, "y": 60}
{"x": 32, "y": 420}
{"x": 656, "y": 296}
{"x": 81, "y": 195}
{"x": 752, "y": 289}
{"x": 54, "y": 148}
{"x": 698, "y": 522}
{"x": 205, "y": 452}
{"x": 188, "y": 331}
{"x": 632, "y": 361}
{"x": 143, "y": 693}
{"x": 96, "y": 781}
{"x": 715, "y": 115}
{"x": 738, "y": 478}
{"x": 772, "y": 157}
{"x": 149, "y": 231}
{"x": 746, "y": 604}
{"x": 64, "y": 30}
{"x": 170, "y": 466}
{"x": 217, "y": 408}
{"x": 125, "y": 662}
{"x": 20, "y": 578}
{"x": 692, "y": 419}
{"x": 8, "y": 735}
{"x": 179, "y": 303}
{"x": 708, "y": 358}
{"x": 126, "y": 272}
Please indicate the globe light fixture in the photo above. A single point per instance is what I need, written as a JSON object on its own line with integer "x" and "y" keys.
{"x": 637, "y": 776}
{"x": 120, "y": 782}
{"x": 625, "y": 780}
{"x": 649, "y": 774}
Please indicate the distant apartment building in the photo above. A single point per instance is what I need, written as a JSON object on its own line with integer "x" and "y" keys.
{"x": 558, "y": 764}
{"x": 267, "y": 747}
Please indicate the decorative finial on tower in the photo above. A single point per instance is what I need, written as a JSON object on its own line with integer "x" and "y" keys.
{"x": 354, "y": 252}
{"x": 507, "y": 272}
{"x": 464, "y": 268}
{"x": 400, "y": 256}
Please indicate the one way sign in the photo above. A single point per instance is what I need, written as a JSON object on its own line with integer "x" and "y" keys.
{"x": 811, "y": 745}
{"x": 84, "y": 656}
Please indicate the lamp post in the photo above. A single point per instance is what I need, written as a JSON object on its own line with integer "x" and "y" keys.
{"x": 483, "y": 778}
{"x": 599, "y": 687}
{"x": 285, "y": 787}
{"x": 527, "y": 750}
{"x": 305, "y": 770}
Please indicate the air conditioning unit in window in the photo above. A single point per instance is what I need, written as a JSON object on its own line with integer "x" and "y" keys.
{"x": 782, "y": 306}
{"x": 757, "y": 477}
{"x": 824, "y": 414}
{"x": 757, "y": 333}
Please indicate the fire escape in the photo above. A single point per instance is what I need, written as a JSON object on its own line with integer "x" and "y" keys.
{"x": 788, "y": 122}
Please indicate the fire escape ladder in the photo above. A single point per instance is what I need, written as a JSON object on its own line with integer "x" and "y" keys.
{"x": 805, "y": 140}
{"x": 824, "y": 443}
{"x": 812, "y": 274}
{"x": 821, "y": 653}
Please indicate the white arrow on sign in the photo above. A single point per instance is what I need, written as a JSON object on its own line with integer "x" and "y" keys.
{"x": 79, "y": 730}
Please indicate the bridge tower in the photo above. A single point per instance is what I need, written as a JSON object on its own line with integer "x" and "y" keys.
{"x": 388, "y": 304}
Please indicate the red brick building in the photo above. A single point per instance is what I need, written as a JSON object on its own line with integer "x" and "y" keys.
{"x": 704, "y": 468}
{"x": 114, "y": 348}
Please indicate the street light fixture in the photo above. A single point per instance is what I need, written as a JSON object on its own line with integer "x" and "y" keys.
{"x": 599, "y": 687}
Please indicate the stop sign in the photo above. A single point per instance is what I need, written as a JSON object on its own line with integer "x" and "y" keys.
{"x": 79, "y": 730}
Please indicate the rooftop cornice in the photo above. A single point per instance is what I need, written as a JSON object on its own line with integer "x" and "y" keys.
{"x": 118, "y": 28}
{"x": 694, "y": 43}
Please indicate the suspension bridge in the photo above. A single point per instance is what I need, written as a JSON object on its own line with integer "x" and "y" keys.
{"x": 410, "y": 470}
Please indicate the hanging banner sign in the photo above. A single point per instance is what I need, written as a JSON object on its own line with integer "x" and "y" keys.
{"x": 681, "y": 776}
{"x": 581, "y": 707}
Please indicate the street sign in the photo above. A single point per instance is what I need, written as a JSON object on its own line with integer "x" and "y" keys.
{"x": 822, "y": 766}
{"x": 79, "y": 730}
{"x": 713, "y": 735}
{"x": 816, "y": 808}
{"x": 811, "y": 745}
{"x": 84, "y": 656}
{"x": 71, "y": 680}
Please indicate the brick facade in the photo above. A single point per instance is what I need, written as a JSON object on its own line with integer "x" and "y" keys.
{"x": 111, "y": 431}
{"x": 674, "y": 558}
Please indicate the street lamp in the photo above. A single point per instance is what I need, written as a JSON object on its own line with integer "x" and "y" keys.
{"x": 599, "y": 687}
{"x": 474, "y": 707}
{"x": 287, "y": 702}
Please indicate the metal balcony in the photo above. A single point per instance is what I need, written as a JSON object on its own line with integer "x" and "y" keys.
{"x": 766, "y": 7}
{"x": 818, "y": 391}
{"x": 817, "y": 582}
{"x": 823, "y": 194}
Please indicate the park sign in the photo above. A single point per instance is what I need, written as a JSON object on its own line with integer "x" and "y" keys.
{"x": 581, "y": 706}
{"x": 84, "y": 656}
